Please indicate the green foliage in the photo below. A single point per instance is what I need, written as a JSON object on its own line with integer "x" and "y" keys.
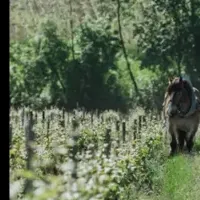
{"x": 93, "y": 82}
{"x": 38, "y": 67}
{"x": 75, "y": 57}
{"x": 98, "y": 176}
{"x": 152, "y": 83}
{"x": 43, "y": 72}
{"x": 136, "y": 169}
{"x": 169, "y": 29}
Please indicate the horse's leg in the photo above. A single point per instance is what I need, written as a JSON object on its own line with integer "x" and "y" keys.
{"x": 190, "y": 142}
{"x": 173, "y": 145}
{"x": 190, "y": 139}
{"x": 181, "y": 139}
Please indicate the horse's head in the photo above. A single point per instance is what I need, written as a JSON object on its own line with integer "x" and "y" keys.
{"x": 178, "y": 96}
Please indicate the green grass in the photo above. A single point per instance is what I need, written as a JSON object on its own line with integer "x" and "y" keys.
{"x": 197, "y": 145}
{"x": 181, "y": 179}
{"x": 178, "y": 179}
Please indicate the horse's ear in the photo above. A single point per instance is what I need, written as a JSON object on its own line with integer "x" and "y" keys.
{"x": 181, "y": 81}
{"x": 170, "y": 79}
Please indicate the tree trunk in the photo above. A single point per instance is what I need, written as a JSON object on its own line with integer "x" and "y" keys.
{"x": 71, "y": 28}
{"x": 195, "y": 31}
{"x": 124, "y": 49}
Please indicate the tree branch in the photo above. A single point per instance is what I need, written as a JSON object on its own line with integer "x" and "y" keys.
{"x": 124, "y": 49}
{"x": 71, "y": 28}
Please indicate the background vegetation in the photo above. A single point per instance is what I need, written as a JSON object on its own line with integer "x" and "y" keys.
{"x": 101, "y": 54}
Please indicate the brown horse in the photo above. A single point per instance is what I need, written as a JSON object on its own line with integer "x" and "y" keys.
{"x": 181, "y": 112}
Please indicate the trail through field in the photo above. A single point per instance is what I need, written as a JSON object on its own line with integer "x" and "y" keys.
{"x": 181, "y": 179}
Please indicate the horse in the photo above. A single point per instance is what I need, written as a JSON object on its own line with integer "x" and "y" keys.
{"x": 181, "y": 112}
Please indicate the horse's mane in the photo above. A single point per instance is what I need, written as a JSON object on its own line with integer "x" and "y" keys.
{"x": 176, "y": 85}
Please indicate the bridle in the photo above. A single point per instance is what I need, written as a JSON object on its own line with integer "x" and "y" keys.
{"x": 182, "y": 99}
{"x": 186, "y": 104}
{"x": 180, "y": 91}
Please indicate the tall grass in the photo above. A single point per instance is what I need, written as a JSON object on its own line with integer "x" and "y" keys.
{"x": 178, "y": 179}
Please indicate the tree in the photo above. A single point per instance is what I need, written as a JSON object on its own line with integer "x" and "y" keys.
{"x": 170, "y": 31}
{"x": 124, "y": 49}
